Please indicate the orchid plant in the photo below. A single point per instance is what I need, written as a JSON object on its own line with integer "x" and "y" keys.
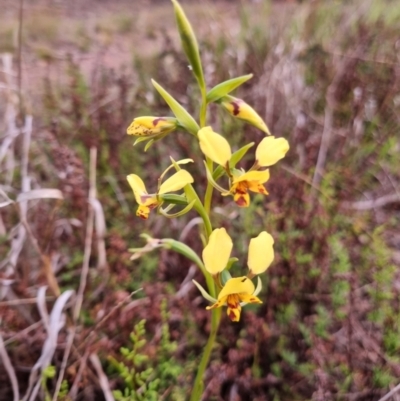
{"x": 220, "y": 165}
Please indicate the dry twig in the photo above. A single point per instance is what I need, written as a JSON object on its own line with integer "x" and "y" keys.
{"x": 89, "y": 234}
{"x": 9, "y": 368}
{"x": 104, "y": 384}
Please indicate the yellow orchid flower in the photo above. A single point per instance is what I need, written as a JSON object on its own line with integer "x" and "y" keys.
{"x": 217, "y": 252}
{"x": 261, "y": 253}
{"x": 147, "y": 201}
{"x": 214, "y": 146}
{"x": 240, "y": 109}
{"x": 236, "y": 291}
{"x": 147, "y": 126}
{"x": 242, "y": 182}
{"x": 269, "y": 151}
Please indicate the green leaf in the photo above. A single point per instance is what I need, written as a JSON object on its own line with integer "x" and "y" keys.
{"x": 239, "y": 154}
{"x": 225, "y": 276}
{"x": 189, "y": 43}
{"x": 259, "y": 286}
{"x": 235, "y": 158}
{"x": 205, "y": 294}
{"x": 211, "y": 180}
{"x": 148, "y": 144}
{"x": 184, "y": 118}
{"x": 177, "y": 214}
{"x": 226, "y": 87}
{"x": 174, "y": 199}
{"x": 231, "y": 262}
{"x": 184, "y": 250}
{"x": 140, "y": 139}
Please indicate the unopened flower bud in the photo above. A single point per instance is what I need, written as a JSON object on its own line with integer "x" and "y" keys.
{"x": 152, "y": 126}
{"x": 240, "y": 109}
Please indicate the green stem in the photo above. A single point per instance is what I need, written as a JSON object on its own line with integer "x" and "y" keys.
{"x": 209, "y": 190}
{"x": 204, "y": 212}
{"x": 203, "y": 108}
{"x": 198, "y": 385}
{"x": 198, "y": 206}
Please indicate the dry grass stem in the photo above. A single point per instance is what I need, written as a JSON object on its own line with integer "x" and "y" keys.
{"x": 56, "y": 321}
{"x": 89, "y": 234}
{"x": 9, "y": 369}
{"x": 67, "y": 351}
{"x": 103, "y": 380}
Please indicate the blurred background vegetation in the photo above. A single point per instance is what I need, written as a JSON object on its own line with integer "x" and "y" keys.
{"x": 326, "y": 77}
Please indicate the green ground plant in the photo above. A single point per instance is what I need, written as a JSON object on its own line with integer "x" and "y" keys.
{"x": 144, "y": 378}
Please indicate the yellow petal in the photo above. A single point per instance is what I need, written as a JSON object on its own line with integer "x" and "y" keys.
{"x": 242, "y": 199}
{"x": 249, "y": 299}
{"x": 237, "y": 285}
{"x": 217, "y": 252}
{"x": 240, "y": 109}
{"x": 259, "y": 176}
{"x": 270, "y": 150}
{"x": 214, "y": 146}
{"x": 261, "y": 253}
{"x": 176, "y": 182}
{"x": 143, "y": 212}
{"x": 151, "y": 126}
{"x": 234, "y": 314}
{"x": 137, "y": 186}
{"x": 218, "y": 304}
{"x": 234, "y": 307}
{"x": 257, "y": 187}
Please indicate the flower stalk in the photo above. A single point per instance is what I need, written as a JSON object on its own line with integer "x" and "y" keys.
{"x": 177, "y": 189}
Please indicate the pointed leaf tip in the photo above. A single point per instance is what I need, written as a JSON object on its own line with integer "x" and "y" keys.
{"x": 184, "y": 118}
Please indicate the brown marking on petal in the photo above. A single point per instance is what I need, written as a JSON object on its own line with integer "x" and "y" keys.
{"x": 157, "y": 120}
{"x": 241, "y": 201}
{"x": 142, "y": 215}
{"x": 233, "y": 301}
{"x": 242, "y": 187}
{"x": 244, "y": 279}
{"x": 252, "y": 299}
{"x": 232, "y": 316}
{"x": 262, "y": 190}
{"x": 236, "y": 108}
{"x": 144, "y": 131}
{"x": 143, "y": 198}
{"x": 216, "y": 305}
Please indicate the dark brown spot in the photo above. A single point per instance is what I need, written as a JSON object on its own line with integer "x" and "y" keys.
{"x": 241, "y": 201}
{"x": 157, "y": 120}
{"x": 232, "y": 315}
{"x": 244, "y": 279}
{"x": 236, "y": 108}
